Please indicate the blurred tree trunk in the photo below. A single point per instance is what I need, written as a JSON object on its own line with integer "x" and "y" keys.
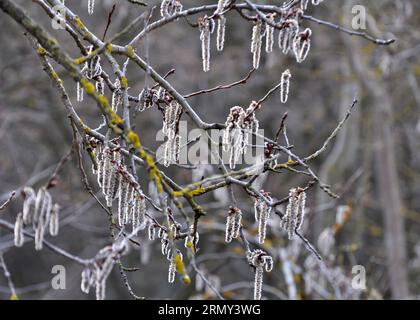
{"x": 385, "y": 171}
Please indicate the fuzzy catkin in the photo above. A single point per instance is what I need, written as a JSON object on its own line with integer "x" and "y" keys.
{"x": 256, "y": 42}
{"x": 79, "y": 92}
{"x": 28, "y": 204}
{"x": 285, "y": 85}
{"x": 258, "y": 282}
{"x": 221, "y": 32}
{"x": 302, "y": 45}
{"x": 171, "y": 271}
{"x": 151, "y": 232}
{"x": 54, "y": 220}
{"x": 295, "y": 212}
{"x": 205, "y": 46}
{"x": 262, "y": 214}
{"x": 260, "y": 260}
{"x": 91, "y": 6}
{"x": 18, "y": 231}
{"x": 269, "y": 37}
{"x": 39, "y": 237}
{"x": 287, "y": 33}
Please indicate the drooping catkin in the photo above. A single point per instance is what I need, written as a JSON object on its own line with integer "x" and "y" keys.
{"x": 116, "y": 95}
{"x": 18, "y": 231}
{"x": 285, "y": 85}
{"x": 54, "y": 220}
{"x": 151, "y": 232}
{"x": 96, "y": 273}
{"x": 269, "y": 37}
{"x": 39, "y": 212}
{"x": 28, "y": 204}
{"x": 171, "y": 271}
{"x": 91, "y": 6}
{"x": 221, "y": 32}
{"x": 302, "y": 45}
{"x": 258, "y": 282}
{"x": 233, "y": 224}
{"x": 261, "y": 261}
{"x": 235, "y": 136}
{"x": 39, "y": 237}
{"x": 287, "y": 33}
{"x": 256, "y": 43}
{"x": 295, "y": 212}
{"x": 205, "y": 31}
{"x": 100, "y": 85}
{"x": 79, "y": 92}
{"x": 262, "y": 214}
{"x": 139, "y": 210}
{"x": 171, "y": 119}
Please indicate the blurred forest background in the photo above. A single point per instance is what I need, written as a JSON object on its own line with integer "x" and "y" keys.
{"x": 374, "y": 163}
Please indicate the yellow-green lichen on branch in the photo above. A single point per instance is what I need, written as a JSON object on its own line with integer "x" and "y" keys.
{"x": 189, "y": 193}
{"x": 88, "y": 86}
{"x": 134, "y": 139}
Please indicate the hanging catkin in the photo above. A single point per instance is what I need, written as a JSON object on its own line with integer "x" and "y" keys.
{"x": 19, "y": 238}
{"x": 295, "y": 212}
{"x": 91, "y": 6}
{"x": 233, "y": 224}
{"x": 262, "y": 214}
{"x": 302, "y": 45}
{"x": 261, "y": 261}
{"x": 285, "y": 85}
{"x": 206, "y": 26}
{"x": 269, "y": 37}
{"x": 256, "y": 43}
{"x": 221, "y": 31}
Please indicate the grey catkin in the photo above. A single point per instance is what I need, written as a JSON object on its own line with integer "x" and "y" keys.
{"x": 18, "y": 231}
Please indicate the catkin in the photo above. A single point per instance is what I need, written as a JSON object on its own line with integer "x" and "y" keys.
{"x": 39, "y": 211}
{"x": 285, "y": 85}
{"x": 287, "y": 34}
{"x": 260, "y": 260}
{"x": 28, "y": 204}
{"x": 295, "y": 211}
{"x": 91, "y": 6}
{"x": 170, "y": 128}
{"x": 79, "y": 92}
{"x": 256, "y": 42}
{"x": 233, "y": 224}
{"x": 54, "y": 220}
{"x": 221, "y": 32}
{"x": 86, "y": 278}
{"x": 39, "y": 237}
{"x": 269, "y": 38}
{"x": 116, "y": 95}
{"x": 205, "y": 43}
{"x": 302, "y": 45}
{"x": 258, "y": 282}
{"x": 234, "y": 136}
{"x": 262, "y": 214}
{"x": 151, "y": 231}
{"x": 18, "y": 231}
{"x": 171, "y": 271}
